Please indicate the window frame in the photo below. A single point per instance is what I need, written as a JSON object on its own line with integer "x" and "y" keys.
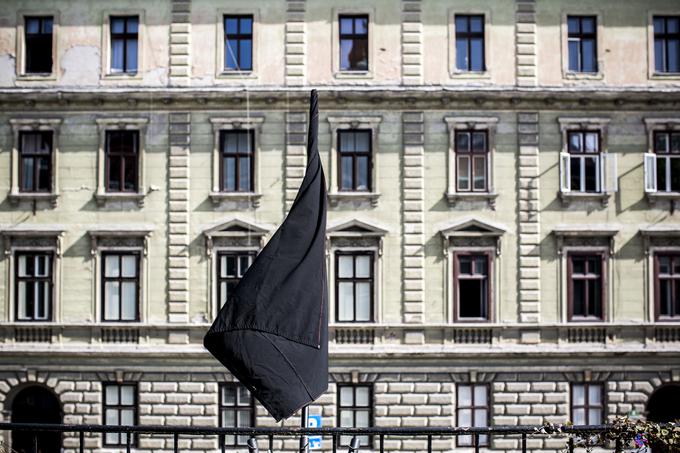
{"x": 334, "y": 20}
{"x": 581, "y": 156}
{"x": 469, "y": 35}
{"x": 599, "y": 15}
{"x": 586, "y": 401}
{"x": 50, "y": 280}
{"x": 122, "y": 157}
{"x": 371, "y": 280}
{"x": 240, "y": 36}
{"x": 603, "y": 283}
{"x": 355, "y": 156}
{"x": 219, "y": 253}
{"x": 673, "y": 254}
{"x": 28, "y": 77}
{"x": 125, "y": 36}
{"x": 483, "y": 441}
{"x": 354, "y": 408}
{"x": 354, "y": 36}
{"x": 579, "y": 37}
{"x": 471, "y": 156}
{"x": 666, "y": 155}
{"x": 220, "y": 407}
{"x": 41, "y": 19}
{"x": 490, "y": 279}
{"x": 238, "y": 155}
{"x": 34, "y": 157}
{"x": 120, "y": 279}
{"x": 119, "y": 407}
{"x": 665, "y": 36}
{"x": 107, "y": 73}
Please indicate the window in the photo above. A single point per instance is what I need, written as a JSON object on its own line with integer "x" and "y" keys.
{"x": 354, "y": 157}
{"x": 238, "y": 43}
{"x": 354, "y": 287}
{"x": 355, "y": 410}
{"x": 667, "y": 286}
{"x": 470, "y": 43}
{"x": 120, "y": 409}
{"x": 472, "y": 409}
{"x": 586, "y": 286}
{"x": 124, "y": 41}
{"x": 471, "y": 161}
{"x": 667, "y": 150}
{"x": 231, "y": 266}
{"x": 237, "y": 162}
{"x": 35, "y": 172}
{"x": 587, "y": 407}
{"x": 667, "y": 44}
{"x": 122, "y": 161}
{"x": 472, "y": 285}
{"x": 34, "y": 285}
{"x": 582, "y": 43}
{"x": 38, "y": 41}
{"x": 584, "y": 161}
{"x": 237, "y": 410}
{"x": 120, "y": 285}
{"x": 354, "y": 42}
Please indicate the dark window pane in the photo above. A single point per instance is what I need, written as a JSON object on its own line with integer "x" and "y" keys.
{"x": 345, "y": 49}
{"x": 659, "y": 55}
{"x": 673, "y": 25}
{"x": 462, "y": 54}
{"x": 362, "y": 173}
{"x": 463, "y": 141}
{"x": 230, "y": 55}
{"x": 591, "y": 174}
{"x": 661, "y": 142}
{"x": 361, "y": 26}
{"x": 575, "y": 173}
{"x": 477, "y": 54}
{"x": 465, "y": 265}
{"x": 589, "y": 56}
{"x": 346, "y": 26}
{"x": 32, "y": 25}
{"x": 461, "y": 24}
{"x": 231, "y": 25}
{"x": 471, "y": 298}
{"x": 573, "y": 25}
{"x": 43, "y": 182}
{"x": 594, "y": 298}
{"x": 132, "y": 25}
{"x": 246, "y": 26}
{"x": 245, "y": 52}
{"x": 675, "y": 143}
{"x": 574, "y": 142}
{"x": 579, "y": 297}
{"x": 114, "y": 184}
{"x": 479, "y": 141}
{"x": 346, "y": 172}
{"x": 588, "y": 25}
{"x": 574, "y": 56}
{"x": 131, "y": 55}
{"x": 675, "y": 174}
{"x": 661, "y": 173}
{"x": 229, "y": 173}
{"x": 659, "y": 25}
{"x": 673, "y": 55}
{"x": 244, "y": 174}
{"x": 118, "y": 25}
{"x": 130, "y": 174}
{"x": 476, "y": 24}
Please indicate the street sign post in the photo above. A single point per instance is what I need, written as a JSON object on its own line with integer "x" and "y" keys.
{"x": 314, "y": 421}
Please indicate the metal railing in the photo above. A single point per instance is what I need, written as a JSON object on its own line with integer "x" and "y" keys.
{"x": 259, "y": 437}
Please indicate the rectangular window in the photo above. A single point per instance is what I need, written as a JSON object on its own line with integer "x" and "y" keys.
{"x": 120, "y": 409}
{"x": 470, "y": 43}
{"x": 38, "y": 42}
{"x": 120, "y": 286}
{"x": 472, "y": 154}
{"x": 667, "y": 150}
{"x": 667, "y": 44}
{"x": 582, "y": 42}
{"x": 472, "y": 286}
{"x": 237, "y": 163}
{"x": 354, "y": 287}
{"x": 472, "y": 410}
{"x": 238, "y": 43}
{"x": 354, "y": 42}
{"x": 667, "y": 285}
{"x": 586, "y": 286}
{"x": 355, "y": 164}
{"x": 231, "y": 266}
{"x": 122, "y": 161}
{"x": 237, "y": 410}
{"x": 584, "y": 161}
{"x": 587, "y": 406}
{"x": 355, "y": 410}
{"x": 124, "y": 41}
{"x": 35, "y": 168}
{"x": 34, "y": 283}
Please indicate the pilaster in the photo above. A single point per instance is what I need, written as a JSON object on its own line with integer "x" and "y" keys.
{"x": 296, "y": 158}
{"x": 411, "y": 43}
{"x": 295, "y": 42}
{"x": 180, "y": 45}
{"x": 525, "y": 41}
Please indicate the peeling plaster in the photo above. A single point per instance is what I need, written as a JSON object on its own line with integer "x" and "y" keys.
{"x": 8, "y": 68}
{"x": 158, "y": 76}
{"x": 80, "y": 65}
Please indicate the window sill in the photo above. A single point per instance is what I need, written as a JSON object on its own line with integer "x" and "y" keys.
{"x": 107, "y": 197}
{"x": 489, "y": 197}
{"x": 17, "y": 197}
{"x": 569, "y": 197}
{"x": 457, "y": 74}
{"x": 115, "y": 76}
{"x": 220, "y": 197}
{"x": 665, "y": 76}
{"x": 654, "y": 197}
{"x": 353, "y": 75}
{"x": 583, "y": 76}
{"x": 237, "y": 75}
{"x": 356, "y": 198}
{"x": 37, "y": 77}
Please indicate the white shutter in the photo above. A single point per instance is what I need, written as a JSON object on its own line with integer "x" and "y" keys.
{"x": 650, "y": 172}
{"x": 565, "y": 172}
{"x": 489, "y": 172}
{"x": 610, "y": 178}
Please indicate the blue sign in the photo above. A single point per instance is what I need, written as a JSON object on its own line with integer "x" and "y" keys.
{"x": 314, "y": 421}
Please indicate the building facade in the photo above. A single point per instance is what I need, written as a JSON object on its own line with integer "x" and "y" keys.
{"x": 503, "y": 178}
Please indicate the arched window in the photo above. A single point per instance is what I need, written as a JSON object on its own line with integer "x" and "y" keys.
{"x": 36, "y": 404}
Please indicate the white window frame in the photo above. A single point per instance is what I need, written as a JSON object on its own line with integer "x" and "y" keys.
{"x": 350, "y": 251}
{"x": 599, "y": 29}
{"x": 107, "y": 75}
{"x": 214, "y": 266}
{"x": 22, "y": 75}
{"x": 481, "y": 123}
{"x": 335, "y": 43}
{"x": 249, "y": 123}
{"x": 492, "y": 279}
{"x": 650, "y": 157}
{"x": 220, "y": 73}
{"x": 651, "y": 63}
{"x": 657, "y": 239}
{"x": 455, "y": 73}
{"x": 607, "y": 162}
{"x": 34, "y": 125}
{"x": 349, "y": 123}
{"x": 116, "y": 124}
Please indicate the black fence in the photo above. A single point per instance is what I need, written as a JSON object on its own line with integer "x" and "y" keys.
{"x": 342, "y": 439}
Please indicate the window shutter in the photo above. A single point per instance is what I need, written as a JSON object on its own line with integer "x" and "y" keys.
{"x": 489, "y": 172}
{"x": 565, "y": 170}
{"x": 608, "y": 168}
{"x": 650, "y": 172}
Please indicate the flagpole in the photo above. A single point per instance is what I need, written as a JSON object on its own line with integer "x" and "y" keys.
{"x": 304, "y": 441}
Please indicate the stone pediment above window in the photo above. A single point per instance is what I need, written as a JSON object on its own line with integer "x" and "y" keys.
{"x": 356, "y": 233}
{"x": 472, "y": 232}
{"x": 120, "y": 236}
{"x": 32, "y": 236}
{"x": 235, "y": 232}
{"x": 585, "y": 235}
{"x": 667, "y": 235}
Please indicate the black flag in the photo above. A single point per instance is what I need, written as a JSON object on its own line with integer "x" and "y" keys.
{"x": 272, "y": 333}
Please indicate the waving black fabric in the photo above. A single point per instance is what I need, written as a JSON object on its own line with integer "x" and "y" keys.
{"x": 272, "y": 333}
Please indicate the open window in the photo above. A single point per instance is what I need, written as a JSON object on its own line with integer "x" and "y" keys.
{"x": 662, "y": 159}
